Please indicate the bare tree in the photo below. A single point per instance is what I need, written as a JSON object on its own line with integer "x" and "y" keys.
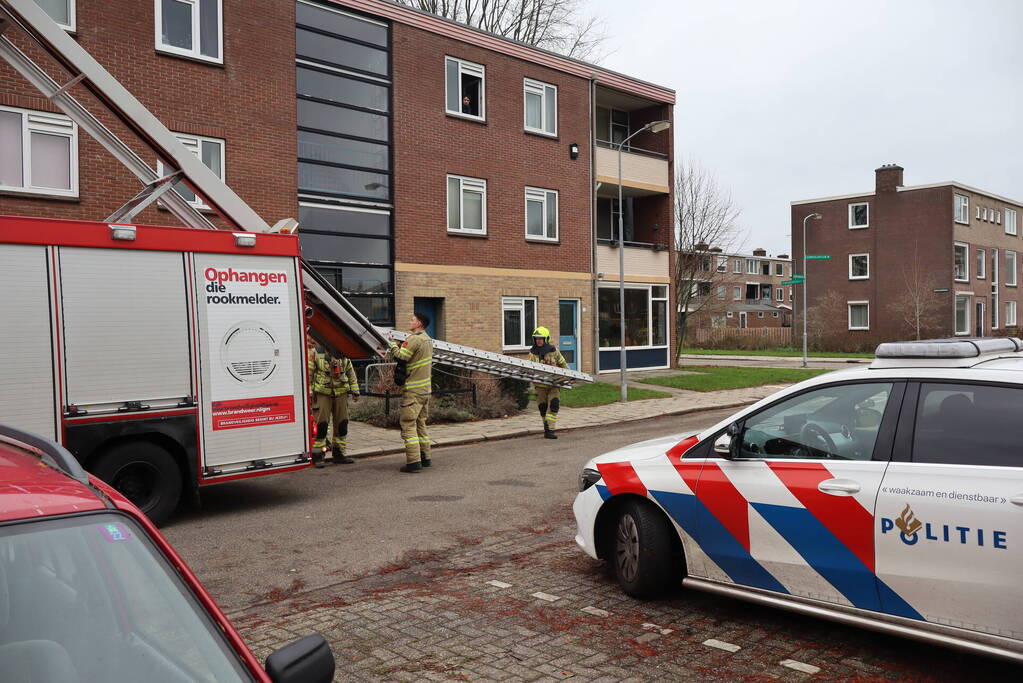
{"x": 705, "y": 218}
{"x": 560, "y": 26}
{"x": 827, "y": 321}
{"x": 918, "y": 306}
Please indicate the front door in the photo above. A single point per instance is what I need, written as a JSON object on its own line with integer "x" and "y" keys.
{"x": 742, "y": 320}
{"x": 791, "y": 510}
{"x": 568, "y": 331}
{"x": 950, "y": 510}
{"x": 980, "y": 319}
{"x": 431, "y": 307}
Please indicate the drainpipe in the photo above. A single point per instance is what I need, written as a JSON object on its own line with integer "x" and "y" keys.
{"x": 594, "y": 310}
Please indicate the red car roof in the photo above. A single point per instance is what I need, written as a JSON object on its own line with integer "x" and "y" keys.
{"x": 30, "y": 488}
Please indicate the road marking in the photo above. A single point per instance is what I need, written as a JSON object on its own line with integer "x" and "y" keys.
{"x": 499, "y": 584}
{"x": 655, "y": 627}
{"x": 721, "y": 645}
{"x": 546, "y": 596}
{"x": 800, "y": 666}
{"x": 596, "y": 611}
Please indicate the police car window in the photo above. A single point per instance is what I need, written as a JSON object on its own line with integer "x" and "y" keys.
{"x": 968, "y": 424}
{"x": 836, "y": 422}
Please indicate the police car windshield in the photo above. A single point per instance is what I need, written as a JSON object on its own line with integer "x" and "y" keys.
{"x": 91, "y": 599}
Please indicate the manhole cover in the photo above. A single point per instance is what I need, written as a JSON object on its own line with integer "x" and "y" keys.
{"x": 512, "y": 482}
{"x": 435, "y": 499}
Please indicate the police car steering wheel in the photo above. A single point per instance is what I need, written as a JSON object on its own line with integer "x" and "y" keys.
{"x": 811, "y": 433}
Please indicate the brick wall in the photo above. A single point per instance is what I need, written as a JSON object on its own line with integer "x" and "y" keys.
{"x": 249, "y": 101}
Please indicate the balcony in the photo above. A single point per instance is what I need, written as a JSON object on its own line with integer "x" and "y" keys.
{"x": 643, "y": 173}
{"x": 642, "y": 260}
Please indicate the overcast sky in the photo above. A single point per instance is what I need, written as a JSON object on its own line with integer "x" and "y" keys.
{"x": 794, "y": 99}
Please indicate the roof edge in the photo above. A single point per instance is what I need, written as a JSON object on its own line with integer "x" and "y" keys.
{"x": 911, "y": 188}
{"x": 453, "y": 29}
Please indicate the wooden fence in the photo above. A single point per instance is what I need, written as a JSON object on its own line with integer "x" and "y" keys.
{"x": 748, "y": 338}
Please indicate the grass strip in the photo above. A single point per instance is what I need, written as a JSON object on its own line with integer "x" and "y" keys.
{"x": 718, "y": 378}
{"x": 602, "y": 393}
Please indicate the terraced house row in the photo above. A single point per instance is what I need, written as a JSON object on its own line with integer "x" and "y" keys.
{"x": 431, "y": 166}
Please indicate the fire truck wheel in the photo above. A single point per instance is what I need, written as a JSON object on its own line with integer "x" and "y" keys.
{"x": 146, "y": 474}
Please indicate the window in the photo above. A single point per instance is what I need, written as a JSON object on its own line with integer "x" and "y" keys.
{"x": 722, "y": 264}
{"x": 467, "y": 205}
{"x": 1010, "y": 221}
{"x": 40, "y": 152}
{"x": 779, "y": 294}
{"x": 612, "y": 127}
{"x": 465, "y": 88}
{"x": 210, "y": 151}
{"x": 775, "y": 314}
{"x": 981, "y": 262}
{"x": 728, "y": 314}
{"x": 859, "y": 266}
{"x": 646, "y": 315}
{"x": 978, "y": 213}
{"x": 61, "y": 11}
{"x": 961, "y": 264}
{"x": 737, "y": 293}
{"x": 859, "y": 315}
{"x": 1010, "y": 268}
{"x": 721, "y": 291}
{"x": 737, "y": 265}
{"x": 962, "y": 315}
{"x": 765, "y": 267}
{"x": 838, "y": 422}
{"x": 519, "y": 314}
{"x": 983, "y": 213}
{"x": 607, "y": 219}
{"x": 752, "y": 266}
{"x": 962, "y": 209}
{"x": 859, "y": 215}
{"x": 541, "y": 214}
{"x": 1010, "y": 313}
{"x": 760, "y": 314}
{"x": 191, "y": 28}
{"x": 779, "y": 269}
{"x": 997, "y": 216}
{"x": 967, "y": 424}
{"x": 541, "y": 107}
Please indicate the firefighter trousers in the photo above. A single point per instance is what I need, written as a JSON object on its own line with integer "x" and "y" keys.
{"x": 415, "y": 410}
{"x": 548, "y": 400}
{"x": 329, "y": 409}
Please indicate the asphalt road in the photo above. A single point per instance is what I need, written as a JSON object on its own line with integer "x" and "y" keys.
{"x": 254, "y": 540}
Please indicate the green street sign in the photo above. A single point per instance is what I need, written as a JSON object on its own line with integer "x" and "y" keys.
{"x": 797, "y": 276}
{"x": 818, "y": 257}
{"x": 792, "y": 282}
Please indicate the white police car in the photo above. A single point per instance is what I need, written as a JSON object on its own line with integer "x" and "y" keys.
{"x": 888, "y": 496}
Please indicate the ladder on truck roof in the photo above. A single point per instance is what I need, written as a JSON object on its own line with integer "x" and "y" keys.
{"x": 501, "y": 365}
{"x": 335, "y": 317}
{"x": 331, "y": 311}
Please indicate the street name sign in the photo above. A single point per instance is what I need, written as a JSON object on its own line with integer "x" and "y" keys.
{"x": 818, "y": 257}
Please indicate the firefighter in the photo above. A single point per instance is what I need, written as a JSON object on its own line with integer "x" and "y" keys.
{"x": 415, "y": 363}
{"x": 547, "y": 397}
{"x": 331, "y": 379}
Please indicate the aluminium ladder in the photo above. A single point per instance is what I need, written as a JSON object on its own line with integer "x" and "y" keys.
{"x": 86, "y": 72}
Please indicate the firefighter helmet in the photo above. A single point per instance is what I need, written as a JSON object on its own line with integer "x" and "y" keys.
{"x": 542, "y": 332}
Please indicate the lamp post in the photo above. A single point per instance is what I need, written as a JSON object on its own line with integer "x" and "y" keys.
{"x": 653, "y": 127}
{"x": 816, "y": 217}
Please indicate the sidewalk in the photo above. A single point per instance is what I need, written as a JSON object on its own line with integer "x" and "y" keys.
{"x": 365, "y": 439}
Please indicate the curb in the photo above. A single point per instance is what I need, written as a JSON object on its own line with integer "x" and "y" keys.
{"x": 368, "y": 453}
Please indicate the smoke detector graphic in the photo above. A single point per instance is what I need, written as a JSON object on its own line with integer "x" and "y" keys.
{"x": 250, "y": 353}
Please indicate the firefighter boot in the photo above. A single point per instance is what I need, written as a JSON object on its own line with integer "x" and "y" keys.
{"x": 548, "y": 432}
{"x": 318, "y": 457}
{"x": 339, "y": 457}
{"x": 411, "y": 467}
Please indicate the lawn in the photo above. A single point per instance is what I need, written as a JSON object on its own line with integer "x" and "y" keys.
{"x": 788, "y": 352}
{"x": 717, "y": 378}
{"x": 600, "y": 393}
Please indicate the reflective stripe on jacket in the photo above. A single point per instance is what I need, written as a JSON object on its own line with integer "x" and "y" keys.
{"x": 417, "y": 352}
{"x": 331, "y": 376}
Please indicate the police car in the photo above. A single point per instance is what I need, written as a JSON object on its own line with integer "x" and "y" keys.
{"x": 888, "y": 497}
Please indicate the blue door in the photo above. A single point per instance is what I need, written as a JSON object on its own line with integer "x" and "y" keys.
{"x": 430, "y": 307}
{"x": 568, "y": 331}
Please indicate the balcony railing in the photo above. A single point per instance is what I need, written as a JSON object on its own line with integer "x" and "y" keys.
{"x": 656, "y": 246}
{"x": 630, "y": 149}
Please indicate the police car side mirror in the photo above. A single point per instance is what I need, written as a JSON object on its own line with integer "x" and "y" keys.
{"x": 307, "y": 660}
{"x": 726, "y": 444}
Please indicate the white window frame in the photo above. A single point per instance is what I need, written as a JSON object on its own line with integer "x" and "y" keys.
{"x": 1010, "y": 257}
{"x": 530, "y": 86}
{"x": 70, "y": 26}
{"x": 1010, "y": 222}
{"x": 849, "y": 305}
{"x": 859, "y": 277}
{"x": 737, "y": 266}
{"x": 997, "y": 216}
{"x": 194, "y": 145}
{"x": 539, "y": 194}
{"x": 779, "y": 270}
{"x": 752, "y": 266}
{"x": 852, "y": 206}
{"x": 721, "y": 291}
{"x": 1010, "y": 313}
{"x": 728, "y": 314}
{"x": 955, "y": 318}
{"x": 984, "y": 213}
{"x": 193, "y": 53}
{"x": 760, "y": 314}
{"x": 650, "y": 316}
{"x": 473, "y": 69}
{"x": 47, "y": 123}
{"x": 736, "y": 293}
{"x": 981, "y": 256}
{"x": 779, "y": 294}
{"x": 966, "y": 262}
{"x": 513, "y": 303}
{"x": 475, "y": 185}
{"x": 961, "y": 201}
{"x": 722, "y": 264}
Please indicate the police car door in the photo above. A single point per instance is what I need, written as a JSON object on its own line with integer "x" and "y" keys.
{"x": 797, "y": 489}
{"x": 950, "y": 509}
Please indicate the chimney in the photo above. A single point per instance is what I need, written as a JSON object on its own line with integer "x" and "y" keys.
{"x": 716, "y": 250}
{"x": 760, "y": 252}
{"x": 784, "y": 256}
{"x": 888, "y": 178}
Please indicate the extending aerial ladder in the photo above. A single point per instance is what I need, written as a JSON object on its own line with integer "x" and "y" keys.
{"x": 335, "y": 319}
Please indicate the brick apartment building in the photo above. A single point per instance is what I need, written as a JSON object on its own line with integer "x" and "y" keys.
{"x": 742, "y": 290}
{"x": 431, "y": 166}
{"x": 945, "y": 254}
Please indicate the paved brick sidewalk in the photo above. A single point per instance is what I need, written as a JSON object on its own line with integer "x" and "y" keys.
{"x": 528, "y": 605}
{"x": 365, "y": 439}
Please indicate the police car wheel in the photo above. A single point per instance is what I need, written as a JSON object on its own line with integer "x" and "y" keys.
{"x": 145, "y": 474}
{"x": 643, "y": 555}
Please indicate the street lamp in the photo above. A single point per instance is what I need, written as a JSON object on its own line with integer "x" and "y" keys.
{"x": 653, "y": 127}
{"x": 816, "y": 217}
